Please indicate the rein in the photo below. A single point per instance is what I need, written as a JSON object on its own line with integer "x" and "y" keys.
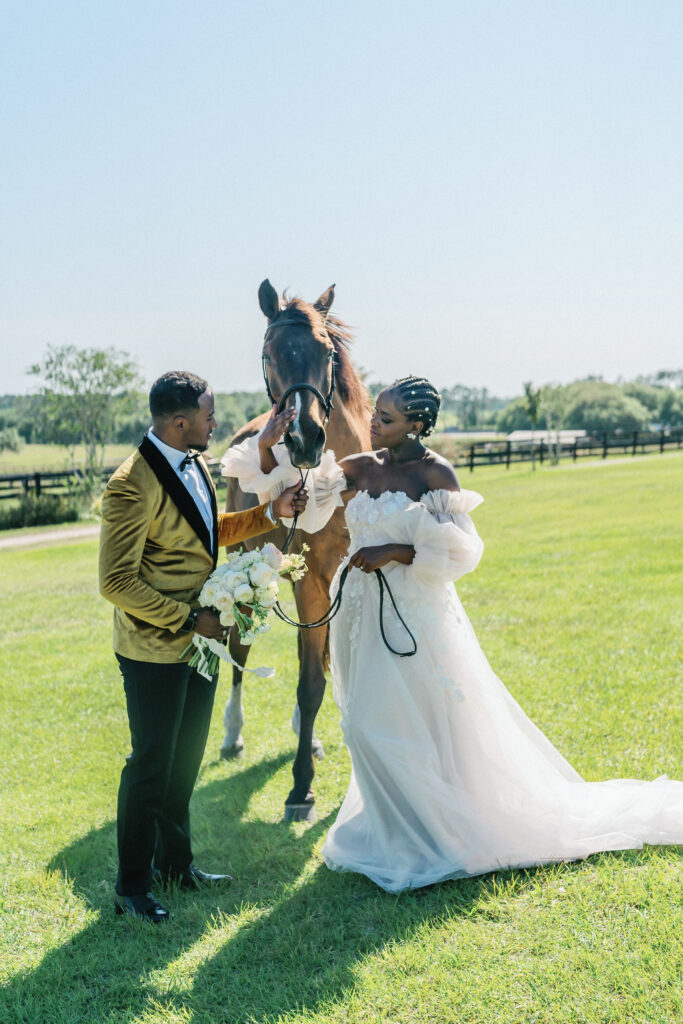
{"x": 336, "y": 603}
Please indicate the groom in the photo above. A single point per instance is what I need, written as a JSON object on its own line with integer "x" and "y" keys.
{"x": 159, "y": 542}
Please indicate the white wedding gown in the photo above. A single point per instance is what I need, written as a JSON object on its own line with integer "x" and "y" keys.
{"x": 449, "y": 777}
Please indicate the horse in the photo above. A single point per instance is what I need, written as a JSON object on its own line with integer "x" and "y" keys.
{"x": 306, "y": 363}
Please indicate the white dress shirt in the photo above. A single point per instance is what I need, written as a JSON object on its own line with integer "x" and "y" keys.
{"x": 191, "y": 477}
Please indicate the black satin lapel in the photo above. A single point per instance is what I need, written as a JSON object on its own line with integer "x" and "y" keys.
{"x": 177, "y": 492}
{"x": 214, "y": 507}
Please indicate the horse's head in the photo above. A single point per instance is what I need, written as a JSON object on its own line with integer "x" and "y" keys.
{"x": 299, "y": 362}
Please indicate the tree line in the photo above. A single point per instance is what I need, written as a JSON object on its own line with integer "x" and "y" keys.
{"x": 95, "y": 397}
{"x": 591, "y": 404}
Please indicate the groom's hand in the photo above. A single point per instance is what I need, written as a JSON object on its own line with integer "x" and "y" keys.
{"x": 209, "y": 624}
{"x": 294, "y": 499}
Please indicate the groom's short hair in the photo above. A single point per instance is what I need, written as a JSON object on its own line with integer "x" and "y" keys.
{"x": 174, "y": 392}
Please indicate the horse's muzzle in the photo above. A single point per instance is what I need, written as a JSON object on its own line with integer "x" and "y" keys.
{"x": 306, "y": 452}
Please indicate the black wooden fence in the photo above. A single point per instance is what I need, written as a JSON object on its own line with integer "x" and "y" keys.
{"x": 480, "y": 453}
{"x": 64, "y": 481}
{"x": 488, "y": 453}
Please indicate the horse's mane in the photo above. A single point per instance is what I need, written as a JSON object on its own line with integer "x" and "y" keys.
{"x": 349, "y": 383}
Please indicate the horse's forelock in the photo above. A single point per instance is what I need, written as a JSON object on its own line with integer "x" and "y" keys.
{"x": 349, "y": 383}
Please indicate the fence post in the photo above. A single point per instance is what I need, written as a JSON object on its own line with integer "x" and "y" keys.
{"x": 635, "y": 442}
{"x": 661, "y": 441}
{"x": 36, "y": 482}
{"x": 574, "y": 452}
{"x": 604, "y": 445}
{"x": 540, "y": 452}
{"x": 471, "y": 458}
{"x": 508, "y": 448}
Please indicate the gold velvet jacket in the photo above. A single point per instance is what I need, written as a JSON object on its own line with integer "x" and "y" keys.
{"x": 156, "y": 552}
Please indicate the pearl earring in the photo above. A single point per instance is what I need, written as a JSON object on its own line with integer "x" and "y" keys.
{"x": 411, "y": 435}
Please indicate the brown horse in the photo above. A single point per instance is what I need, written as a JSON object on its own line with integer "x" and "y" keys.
{"x": 306, "y": 363}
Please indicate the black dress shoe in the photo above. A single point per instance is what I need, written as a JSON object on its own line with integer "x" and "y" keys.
{"x": 143, "y": 906}
{"x": 191, "y": 878}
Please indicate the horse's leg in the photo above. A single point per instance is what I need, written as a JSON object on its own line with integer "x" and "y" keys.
{"x": 312, "y": 602}
{"x": 316, "y": 745}
{"x": 233, "y": 716}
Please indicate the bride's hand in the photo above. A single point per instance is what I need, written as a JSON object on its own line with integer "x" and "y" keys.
{"x": 375, "y": 556}
{"x": 276, "y": 426}
{"x": 271, "y": 434}
{"x": 370, "y": 558}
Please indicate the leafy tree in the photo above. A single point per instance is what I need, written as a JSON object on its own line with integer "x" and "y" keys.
{"x": 10, "y": 439}
{"x": 83, "y": 391}
{"x": 663, "y": 379}
{"x": 671, "y": 408}
{"x": 473, "y": 407}
{"x": 647, "y": 394}
{"x": 515, "y": 416}
{"x": 599, "y": 407}
{"x": 532, "y": 402}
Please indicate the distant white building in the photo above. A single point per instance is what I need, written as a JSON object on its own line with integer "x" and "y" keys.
{"x": 548, "y": 436}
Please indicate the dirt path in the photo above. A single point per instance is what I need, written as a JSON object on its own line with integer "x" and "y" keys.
{"x": 49, "y": 537}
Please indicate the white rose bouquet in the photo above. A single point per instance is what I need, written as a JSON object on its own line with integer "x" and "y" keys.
{"x": 243, "y": 591}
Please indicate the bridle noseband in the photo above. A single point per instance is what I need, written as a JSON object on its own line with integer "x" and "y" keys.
{"x": 303, "y": 385}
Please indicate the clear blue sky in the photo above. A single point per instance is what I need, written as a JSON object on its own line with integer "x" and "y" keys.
{"x": 495, "y": 187}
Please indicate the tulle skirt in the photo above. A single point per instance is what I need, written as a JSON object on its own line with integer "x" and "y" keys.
{"x": 450, "y": 778}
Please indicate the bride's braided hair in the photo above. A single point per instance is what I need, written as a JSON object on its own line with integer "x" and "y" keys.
{"x": 420, "y": 400}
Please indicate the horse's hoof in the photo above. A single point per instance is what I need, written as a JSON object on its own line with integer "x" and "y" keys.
{"x": 318, "y": 750}
{"x": 235, "y": 750}
{"x": 300, "y": 812}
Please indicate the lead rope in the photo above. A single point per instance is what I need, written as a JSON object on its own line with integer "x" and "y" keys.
{"x": 336, "y": 603}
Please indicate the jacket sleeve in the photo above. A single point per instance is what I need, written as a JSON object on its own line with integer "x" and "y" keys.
{"x": 126, "y": 518}
{"x": 447, "y": 545}
{"x": 234, "y": 527}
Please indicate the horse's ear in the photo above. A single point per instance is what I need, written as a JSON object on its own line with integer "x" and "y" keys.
{"x": 268, "y": 300}
{"x": 324, "y": 303}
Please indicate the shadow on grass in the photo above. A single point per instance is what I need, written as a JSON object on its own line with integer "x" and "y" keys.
{"x": 107, "y": 972}
{"x": 298, "y": 946}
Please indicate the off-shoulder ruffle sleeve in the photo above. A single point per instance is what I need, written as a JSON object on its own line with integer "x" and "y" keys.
{"x": 325, "y": 483}
{"x": 446, "y": 542}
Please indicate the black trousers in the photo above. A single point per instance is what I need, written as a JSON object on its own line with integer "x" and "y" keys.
{"x": 169, "y": 712}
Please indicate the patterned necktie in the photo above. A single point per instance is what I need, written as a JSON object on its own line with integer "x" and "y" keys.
{"x": 190, "y": 457}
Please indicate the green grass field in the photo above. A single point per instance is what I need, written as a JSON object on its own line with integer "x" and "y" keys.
{"x": 45, "y": 458}
{"x": 578, "y": 603}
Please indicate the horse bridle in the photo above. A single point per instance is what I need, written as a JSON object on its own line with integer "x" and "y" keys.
{"x": 303, "y": 385}
{"x": 325, "y": 619}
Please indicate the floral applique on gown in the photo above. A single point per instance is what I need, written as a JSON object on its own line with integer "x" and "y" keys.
{"x": 449, "y": 777}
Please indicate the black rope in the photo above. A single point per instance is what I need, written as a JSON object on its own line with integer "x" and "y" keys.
{"x": 382, "y": 580}
{"x": 290, "y": 536}
{"x": 325, "y": 619}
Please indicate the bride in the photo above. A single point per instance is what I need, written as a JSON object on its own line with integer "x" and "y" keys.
{"x": 449, "y": 777}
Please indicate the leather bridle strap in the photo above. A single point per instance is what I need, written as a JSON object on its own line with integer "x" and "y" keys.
{"x": 326, "y": 402}
{"x": 303, "y": 386}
